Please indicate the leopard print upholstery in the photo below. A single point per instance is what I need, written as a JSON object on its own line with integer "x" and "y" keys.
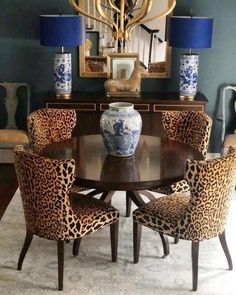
{"x": 47, "y": 125}
{"x": 94, "y": 66}
{"x": 202, "y": 215}
{"x": 190, "y": 127}
{"x": 49, "y": 211}
{"x": 157, "y": 67}
{"x": 178, "y": 187}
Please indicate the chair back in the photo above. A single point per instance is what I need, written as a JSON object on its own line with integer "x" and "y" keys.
{"x": 14, "y": 108}
{"x": 46, "y": 126}
{"x": 16, "y": 101}
{"x": 44, "y": 185}
{"x": 190, "y": 127}
{"x": 211, "y": 184}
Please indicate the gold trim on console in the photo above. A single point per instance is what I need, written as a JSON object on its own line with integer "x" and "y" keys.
{"x": 176, "y": 107}
{"x": 75, "y": 106}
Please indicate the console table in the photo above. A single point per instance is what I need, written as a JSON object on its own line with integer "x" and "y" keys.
{"x": 90, "y": 106}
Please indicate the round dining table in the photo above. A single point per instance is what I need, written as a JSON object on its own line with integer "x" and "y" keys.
{"x": 157, "y": 162}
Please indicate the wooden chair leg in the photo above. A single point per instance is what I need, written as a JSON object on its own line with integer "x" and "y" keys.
{"x": 107, "y": 196}
{"x": 76, "y": 246}
{"x": 114, "y": 229}
{"x": 176, "y": 240}
{"x": 226, "y": 250}
{"x": 128, "y": 204}
{"x": 60, "y": 257}
{"x": 195, "y": 252}
{"x": 94, "y": 193}
{"x": 137, "y": 232}
{"x": 165, "y": 244}
{"x": 28, "y": 240}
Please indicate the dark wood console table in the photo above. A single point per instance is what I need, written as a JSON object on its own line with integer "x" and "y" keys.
{"x": 90, "y": 106}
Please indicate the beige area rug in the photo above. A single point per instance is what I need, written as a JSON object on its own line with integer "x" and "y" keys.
{"x": 93, "y": 273}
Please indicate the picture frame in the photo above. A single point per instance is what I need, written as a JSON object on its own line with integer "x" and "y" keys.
{"x": 121, "y": 65}
{"x": 93, "y": 37}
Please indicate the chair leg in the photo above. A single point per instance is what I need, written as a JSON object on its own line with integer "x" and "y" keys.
{"x": 60, "y": 257}
{"x": 76, "y": 246}
{"x": 195, "y": 252}
{"x": 128, "y": 204}
{"x": 28, "y": 240}
{"x": 137, "y": 232}
{"x": 226, "y": 250}
{"x": 165, "y": 244}
{"x": 176, "y": 240}
{"x": 94, "y": 193}
{"x": 114, "y": 228}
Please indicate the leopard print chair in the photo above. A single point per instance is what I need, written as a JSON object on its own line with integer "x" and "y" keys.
{"x": 47, "y": 125}
{"x": 190, "y": 127}
{"x": 201, "y": 216}
{"x": 50, "y": 213}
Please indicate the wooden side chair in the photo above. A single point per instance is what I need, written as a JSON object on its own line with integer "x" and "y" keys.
{"x": 14, "y": 108}
{"x": 227, "y": 139}
{"x": 190, "y": 127}
{"x": 201, "y": 216}
{"x": 50, "y": 213}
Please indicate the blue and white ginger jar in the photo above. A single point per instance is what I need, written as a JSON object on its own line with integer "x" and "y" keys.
{"x": 120, "y": 127}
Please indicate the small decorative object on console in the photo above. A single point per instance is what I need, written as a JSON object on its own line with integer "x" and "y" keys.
{"x": 121, "y": 126}
{"x": 126, "y": 88}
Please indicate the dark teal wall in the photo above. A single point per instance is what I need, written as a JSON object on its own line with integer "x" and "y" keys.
{"x": 217, "y": 65}
{"x": 23, "y": 59}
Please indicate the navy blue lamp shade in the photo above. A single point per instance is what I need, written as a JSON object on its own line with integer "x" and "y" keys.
{"x": 61, "y": 30}
{"x": 190, "y": 32}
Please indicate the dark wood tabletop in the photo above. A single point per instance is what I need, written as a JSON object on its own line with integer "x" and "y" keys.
{"x": 156, "y": 162}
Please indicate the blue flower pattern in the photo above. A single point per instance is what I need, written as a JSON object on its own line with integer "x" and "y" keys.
{"x": 189, "y": 76}
{"x": 62, "y": 75}
{"x": 121, "y": 132}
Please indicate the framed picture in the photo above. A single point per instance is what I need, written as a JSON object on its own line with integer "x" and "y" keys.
{"x": 121, "y": 65}
{"x": 92, "y": 43}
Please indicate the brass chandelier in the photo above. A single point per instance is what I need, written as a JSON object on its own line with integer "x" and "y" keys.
{"x": 125, "y": 16}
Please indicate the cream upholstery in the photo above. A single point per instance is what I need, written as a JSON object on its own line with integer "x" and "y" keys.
{"x": 14, "y": 109}
{"x": 230, "y": 140}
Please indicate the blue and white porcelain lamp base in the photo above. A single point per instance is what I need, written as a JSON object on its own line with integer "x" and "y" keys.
{"x": 62, "y": 75}
{"x": 188, "y": 76}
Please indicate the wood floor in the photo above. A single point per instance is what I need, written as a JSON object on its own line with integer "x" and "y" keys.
{"x": 8, "y": 186}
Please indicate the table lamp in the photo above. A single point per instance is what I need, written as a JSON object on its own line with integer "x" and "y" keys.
{"x": 190, "y": 32}
{"x": 61, "y": 31}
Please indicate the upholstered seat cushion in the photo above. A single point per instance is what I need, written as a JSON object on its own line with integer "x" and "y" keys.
{"x": 78, "y": 189}
{"x": 163, "y": 214}
{"x": 11, "y": 137}
{"x": 230, "y": 140}
{"x": 177, "y": 187}
{"x": 92, "y": 213}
